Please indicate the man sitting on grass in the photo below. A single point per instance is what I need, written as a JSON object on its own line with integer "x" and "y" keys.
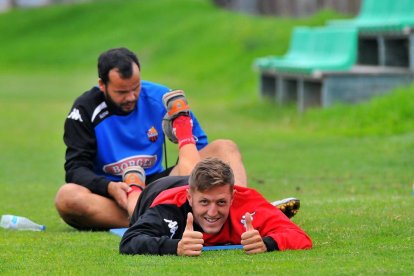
{"x": 172, "y": 217}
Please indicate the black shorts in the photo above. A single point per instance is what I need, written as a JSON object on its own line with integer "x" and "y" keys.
{"x": 151, "y": 178}
{"x": 154, "y": 177}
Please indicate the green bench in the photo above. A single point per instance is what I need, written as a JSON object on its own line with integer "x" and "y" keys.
{"x": 381, "y": 15}
{"x": 297, "y": 48}
{"x": 316, "y": 49}
{"x": 346, "y": 61}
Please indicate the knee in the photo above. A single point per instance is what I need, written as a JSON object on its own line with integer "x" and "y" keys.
{"x": 68, "y": 199}
{"x": 226, "y": 146}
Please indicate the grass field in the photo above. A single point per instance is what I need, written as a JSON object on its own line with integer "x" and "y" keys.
{"x": 351, "y": 166}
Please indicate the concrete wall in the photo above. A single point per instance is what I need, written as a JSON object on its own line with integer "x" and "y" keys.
{"x": 6, "y": 5}
{"x": 294, "y": 8}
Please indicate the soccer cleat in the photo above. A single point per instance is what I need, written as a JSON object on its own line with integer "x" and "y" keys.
{"x": 134, "y": 175}
{"x": 169, "y": 130}
{"x": 289, "y": 206}
{"x": 176, "y": 105}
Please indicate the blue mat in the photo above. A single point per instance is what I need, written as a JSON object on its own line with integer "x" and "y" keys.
{"x": 223, "y": 247}
{"x": 120, "y": 232}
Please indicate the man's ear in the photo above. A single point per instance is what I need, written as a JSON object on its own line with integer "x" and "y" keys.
{"x": 101, "y": 85}
{"x": 189, "y": 197}
{"x": 232, "y": 196}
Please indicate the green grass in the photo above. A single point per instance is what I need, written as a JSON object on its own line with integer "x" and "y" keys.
{"x": 352, "y": 166}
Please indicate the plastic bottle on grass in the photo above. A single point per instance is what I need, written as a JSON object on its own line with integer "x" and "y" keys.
{"x": 20, "y": 223}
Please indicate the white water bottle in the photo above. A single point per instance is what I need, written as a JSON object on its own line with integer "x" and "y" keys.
{"x": 20, "y": 223}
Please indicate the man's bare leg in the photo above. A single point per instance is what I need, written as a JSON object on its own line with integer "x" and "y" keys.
{"x": 227, "y": 151}
{"x": 178, "y": 128}
{"x": 132, "y": 202}
{"x": 81, "y": 208}
{"x": 133, "y": 176}
{"x": 189, "y": 156}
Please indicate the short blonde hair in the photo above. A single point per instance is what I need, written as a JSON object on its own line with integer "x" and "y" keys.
{"x": 209, "y": 173}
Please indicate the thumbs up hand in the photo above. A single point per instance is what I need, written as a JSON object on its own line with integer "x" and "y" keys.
{"x": 251, "y": 240}
{"x": 192, "y": 241}
{"x": 189, "y": 226}
{"x": 249, "y": 222}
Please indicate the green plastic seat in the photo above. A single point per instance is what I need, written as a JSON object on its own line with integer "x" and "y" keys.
{"x": 381, "y": 15}
{"x": 400, "y": 16}
{"x": 372, "y": 12}
{"x": 329, "y": 49}
{"x": 298, "y": 43}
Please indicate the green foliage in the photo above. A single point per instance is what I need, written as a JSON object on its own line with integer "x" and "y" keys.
{"x": 387, "y": 115}
{"x": 351, "y": 166}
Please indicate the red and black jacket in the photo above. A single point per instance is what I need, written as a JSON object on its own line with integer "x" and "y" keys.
{"x": 160, "y": 218}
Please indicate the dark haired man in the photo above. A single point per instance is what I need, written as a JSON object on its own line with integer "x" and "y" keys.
{"x": 175, "y": 218}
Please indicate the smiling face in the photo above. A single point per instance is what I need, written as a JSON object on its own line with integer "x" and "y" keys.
{"x": 122, "y": 92}
{"x": 211, "y": 207}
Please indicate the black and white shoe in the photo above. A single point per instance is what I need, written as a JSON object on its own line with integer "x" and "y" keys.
{"x": 289, "y": 206}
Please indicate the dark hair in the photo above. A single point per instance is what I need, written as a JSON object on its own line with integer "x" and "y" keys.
{"x": 120, "y": 58}
{"x": 209, "y": 173}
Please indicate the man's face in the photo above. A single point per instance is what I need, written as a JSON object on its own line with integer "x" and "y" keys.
{"x": 123, "y": 93}
{"x": 211, "y": 208}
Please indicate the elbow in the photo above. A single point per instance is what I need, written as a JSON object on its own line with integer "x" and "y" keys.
{"x": 125, "y": 248}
